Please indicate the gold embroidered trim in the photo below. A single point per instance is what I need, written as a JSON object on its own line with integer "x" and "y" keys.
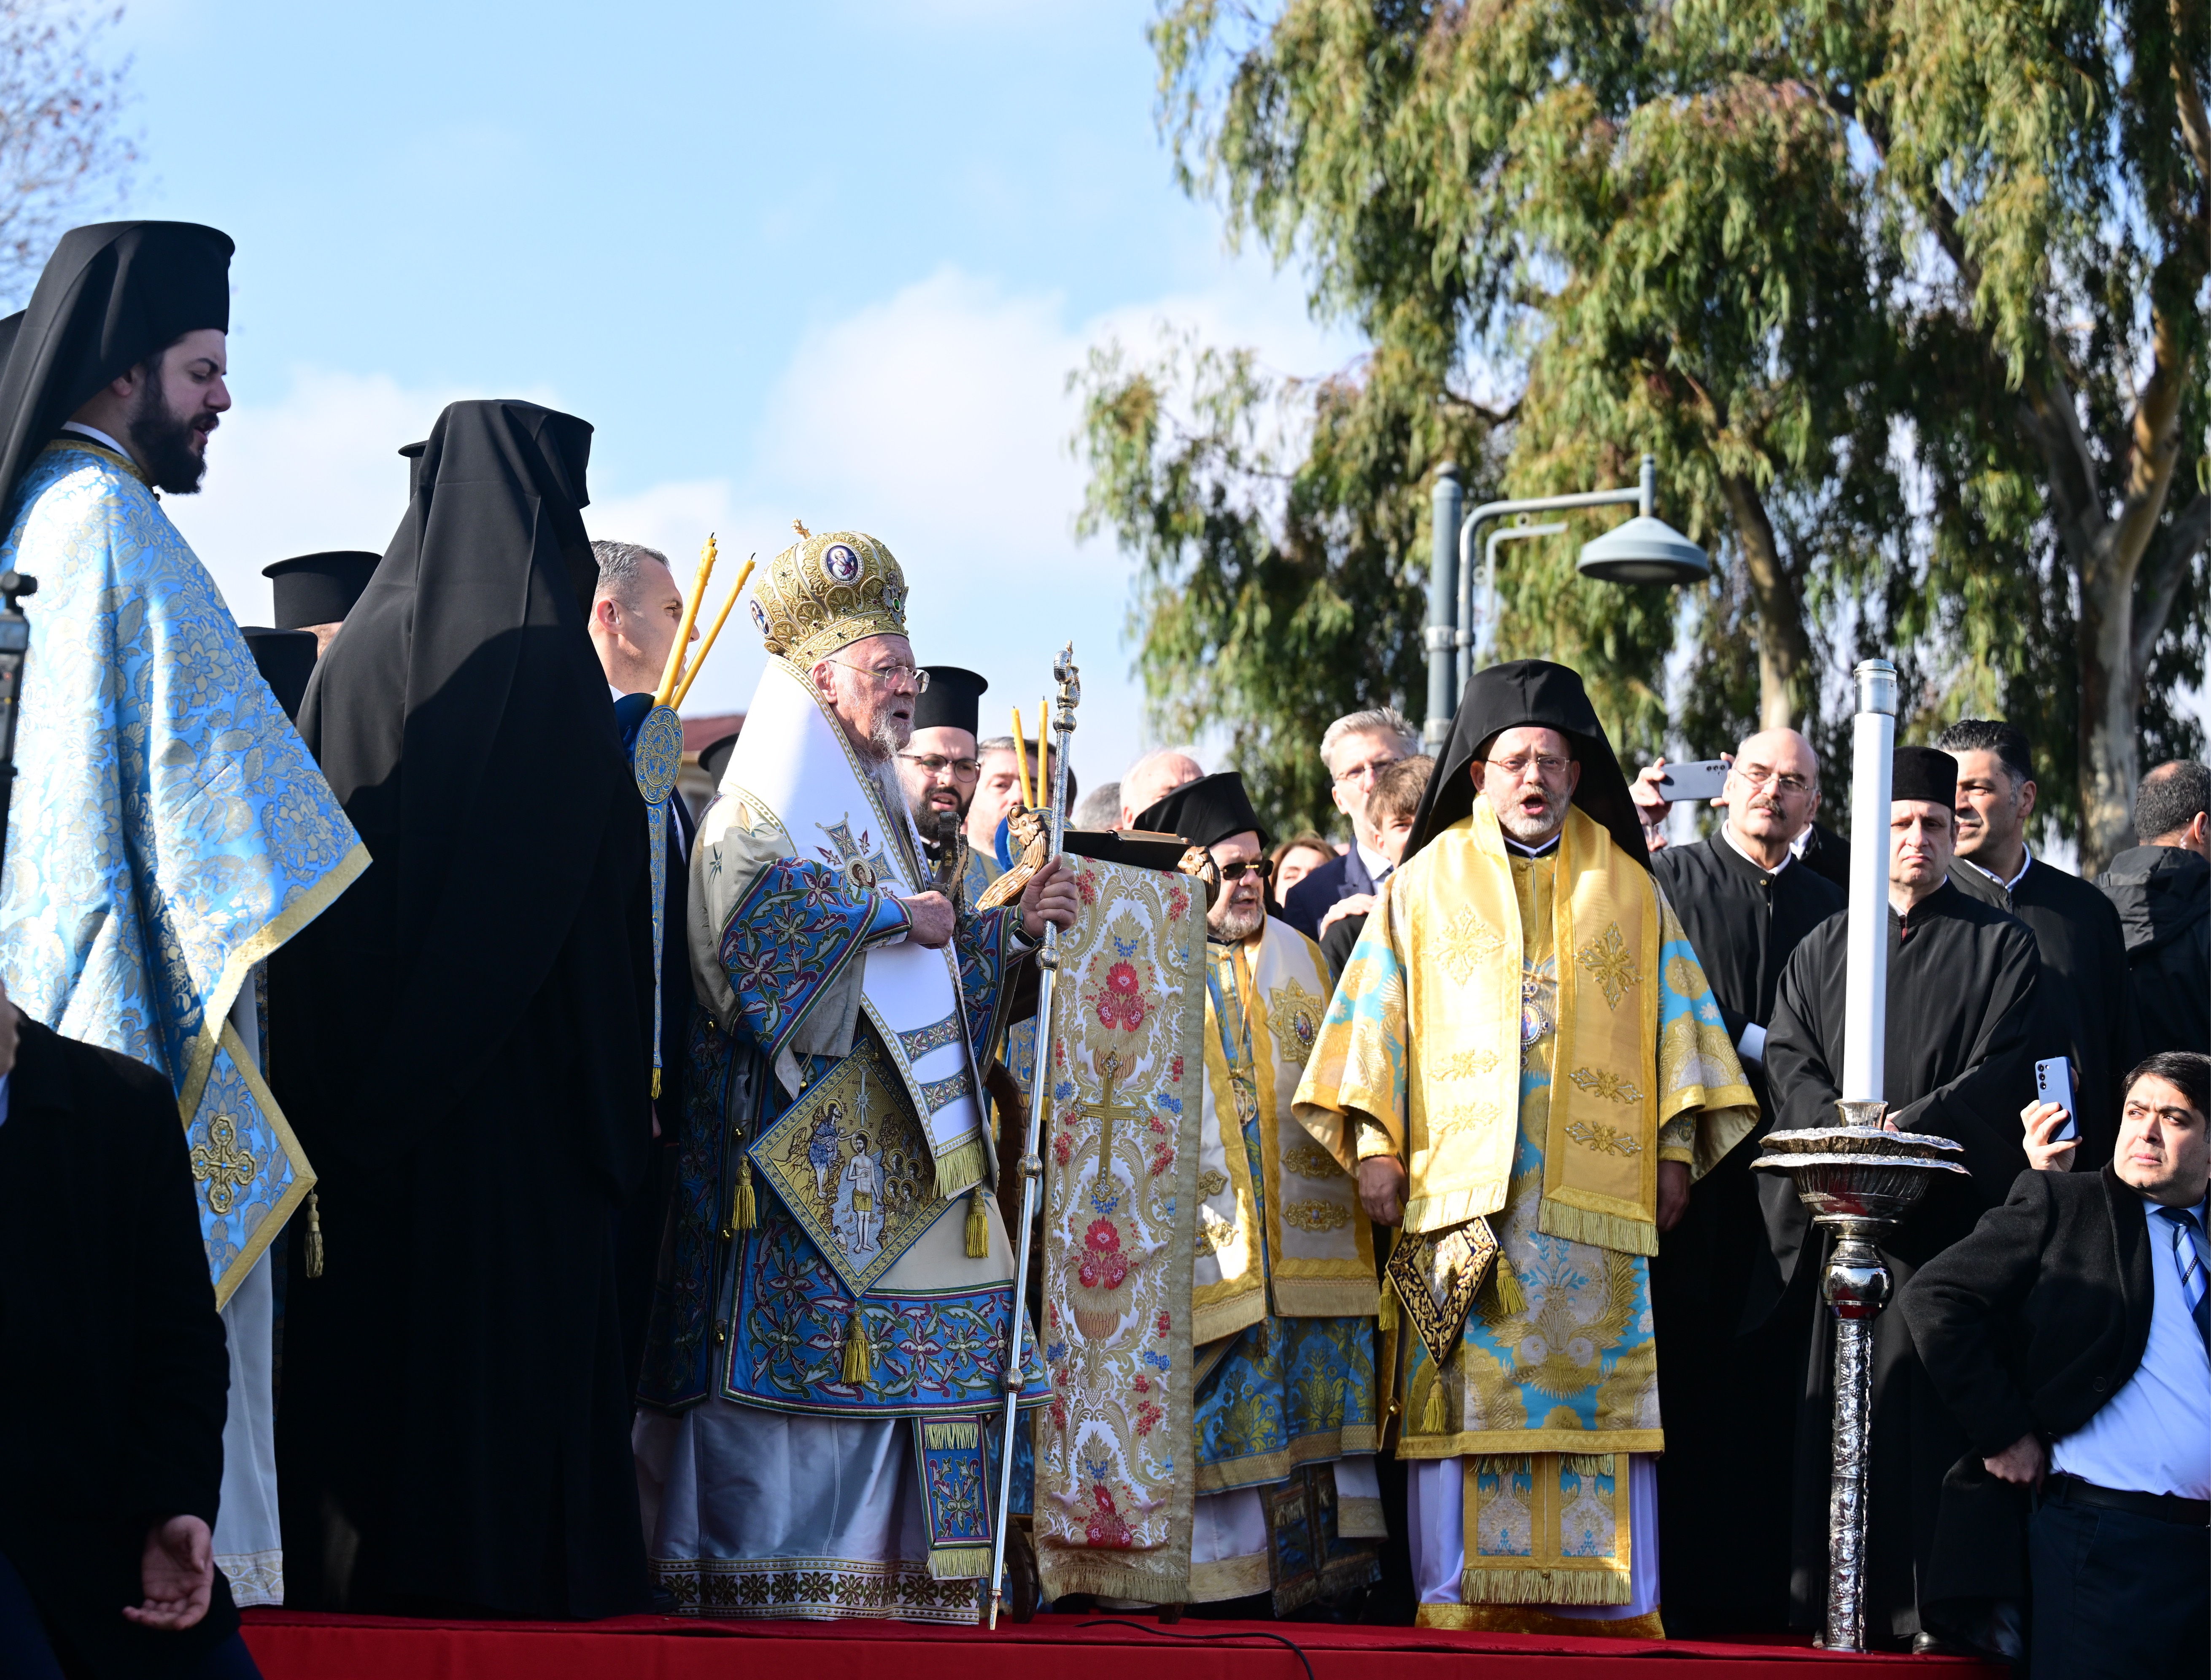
{"x": 1465, "y": 942}
{"x": 1612, "y": 964}
{"x": 1606, "y": 1139}
{"x": 1611, "y": 1087}
{"x": 1316, "y": 1216}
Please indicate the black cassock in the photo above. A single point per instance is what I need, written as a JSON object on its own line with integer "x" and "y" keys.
{"x": 2080, "y": 1008}
{"x": 464, "y": 1048}
{"x": 1962, "y": 982}
{"x": 1729, "y": 1389}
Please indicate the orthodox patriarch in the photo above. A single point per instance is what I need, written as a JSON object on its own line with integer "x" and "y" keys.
{"x": 831, "y": 1322}
{"x": 1524, "y": 1064}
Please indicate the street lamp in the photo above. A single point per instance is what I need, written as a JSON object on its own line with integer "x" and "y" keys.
{"x": 1645, "y": 550}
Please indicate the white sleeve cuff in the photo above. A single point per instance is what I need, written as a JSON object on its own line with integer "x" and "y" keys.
{"x": 1752, "y": 1042}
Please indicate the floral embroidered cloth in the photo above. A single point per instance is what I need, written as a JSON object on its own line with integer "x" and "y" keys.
{"x": 1115, "y": 1472}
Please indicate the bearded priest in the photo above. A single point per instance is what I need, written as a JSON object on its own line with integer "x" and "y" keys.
{"x": 829, "y": 1336}
{"x": 1523, "y": 1064}
{"x": 1284, "y": 1299}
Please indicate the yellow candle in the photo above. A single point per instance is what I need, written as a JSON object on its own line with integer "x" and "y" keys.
{"x": 720, "y": 619}
{"x": 1021, "y": 760}
{"x": 674, "y": 667}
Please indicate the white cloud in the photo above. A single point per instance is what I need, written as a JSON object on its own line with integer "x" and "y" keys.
{"x": 936, "y": 419}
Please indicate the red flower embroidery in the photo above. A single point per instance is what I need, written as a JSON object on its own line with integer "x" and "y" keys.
{"x": 1162, "y": 1159}
{"x": 1160, "y": 1329}
{"x": 1177, "y": 1070}
{"x": 1122, "y": 977}
{"x": 1105, "y": 1527}
{"x": 1178, "y": 902}
{"x": 1104, "y": 1266}
{"x": 1143, "y": 1384}
{"x": 1061, "y": 1148}
{"x": 1148, "y": 1415}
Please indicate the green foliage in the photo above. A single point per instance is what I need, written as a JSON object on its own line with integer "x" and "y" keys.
{"x": 1906, "y": 295}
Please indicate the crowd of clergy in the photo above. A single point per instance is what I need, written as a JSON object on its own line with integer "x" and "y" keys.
{"x": 454, "y": 1173}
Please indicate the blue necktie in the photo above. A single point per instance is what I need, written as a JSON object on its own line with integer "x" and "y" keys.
{"x": 2188, "y": 1243}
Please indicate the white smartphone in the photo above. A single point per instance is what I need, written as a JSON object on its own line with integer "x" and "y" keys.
{"x": 2053, "y": 1083}
{"x": 1699, "y": 778}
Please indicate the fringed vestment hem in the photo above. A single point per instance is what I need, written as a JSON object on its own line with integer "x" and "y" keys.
{"x": 1518, "y": 1444}
{"x": 1520, "y": 1619}
{"x": 1264, "y": 1469}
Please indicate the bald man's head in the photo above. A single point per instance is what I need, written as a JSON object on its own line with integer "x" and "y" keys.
{"x": 1151, "y": 779}
{"x": 1773, "y": 792}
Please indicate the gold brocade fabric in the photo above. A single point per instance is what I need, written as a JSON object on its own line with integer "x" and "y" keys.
{"x": 1433, "y": 1020}
{"x": 1263, "y": 1009}
{"x": 1548, "y": 1395}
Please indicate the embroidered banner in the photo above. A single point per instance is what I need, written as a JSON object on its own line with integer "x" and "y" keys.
{"x": 1115, "y": 1466}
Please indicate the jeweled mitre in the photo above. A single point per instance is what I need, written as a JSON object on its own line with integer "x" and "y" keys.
{"x": 828, "y": 591}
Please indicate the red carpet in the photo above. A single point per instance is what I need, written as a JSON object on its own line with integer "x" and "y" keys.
{"x": 298, "y": 1645}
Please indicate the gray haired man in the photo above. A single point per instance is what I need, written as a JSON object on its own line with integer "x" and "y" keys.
{"x": 635, "y": 612}
{"x": 1356, "y": 749}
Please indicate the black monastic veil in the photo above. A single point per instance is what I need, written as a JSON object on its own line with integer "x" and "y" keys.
{"x": 463, "y": 1049}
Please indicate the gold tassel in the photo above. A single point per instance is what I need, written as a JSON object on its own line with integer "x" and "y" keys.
{"x": 747, "y": 1212}
{"x": 314, "y": 1237}
{"x": 656, "y": 1084}
{"x": 1503, "y": 1299}
{"x": 978, "y": 1228}
{"x": 1434, "y": 1417}
{"x": 859, "y": 1356}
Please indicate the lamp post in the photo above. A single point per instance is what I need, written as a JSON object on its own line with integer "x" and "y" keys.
{"x": 1477, "y": 644}
{"x": 1645, "y": 550}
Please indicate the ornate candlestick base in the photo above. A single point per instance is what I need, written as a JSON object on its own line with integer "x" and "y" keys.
{"x": 1858, "y": 1178}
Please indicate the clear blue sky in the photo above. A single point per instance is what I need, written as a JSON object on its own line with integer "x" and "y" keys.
{"x": 831, "y": 262}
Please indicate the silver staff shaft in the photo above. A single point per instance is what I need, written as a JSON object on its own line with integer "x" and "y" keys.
{"x": 1070, "y": 696}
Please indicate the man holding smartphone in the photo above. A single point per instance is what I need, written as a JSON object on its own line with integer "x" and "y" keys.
{"x": 2081, "y": 1014}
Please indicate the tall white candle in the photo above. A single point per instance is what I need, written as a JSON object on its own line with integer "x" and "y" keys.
{"x": 1865, "y": 1003}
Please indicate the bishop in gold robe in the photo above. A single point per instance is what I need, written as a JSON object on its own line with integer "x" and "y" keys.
{"x": 1525, "y": 1068}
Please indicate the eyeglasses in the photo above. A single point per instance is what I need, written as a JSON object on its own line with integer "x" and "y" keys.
{"x": 1787, "y": 784}
{"x": 935, "y": 764}
{"x": 1366, "y": 772}
{"x": 1548, "y": 768}
{"x": 1235, "y": 872}
{"x": 891, "y": 675}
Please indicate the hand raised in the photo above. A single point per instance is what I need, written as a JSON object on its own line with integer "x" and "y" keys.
{"x": 1050, "y": 896}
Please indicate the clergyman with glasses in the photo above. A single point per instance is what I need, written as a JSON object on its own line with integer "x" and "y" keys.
{"x": 1747, "y": 901}
{"x": 938, "y": 767}
{"x": 1524, "y": 1055}
{"x": 1356, "y": 749}
{"x": 1283, "y": 1296}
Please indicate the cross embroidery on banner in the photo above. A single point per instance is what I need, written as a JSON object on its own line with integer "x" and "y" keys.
{"x": 1105, "y": 1110}
{"x": 222, "y": 1166}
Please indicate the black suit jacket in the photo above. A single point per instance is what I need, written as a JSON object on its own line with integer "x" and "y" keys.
{"x": 2040, "y": 1315}
{"x": 117, "y": 1381}
{"x": 1310, "y": 898}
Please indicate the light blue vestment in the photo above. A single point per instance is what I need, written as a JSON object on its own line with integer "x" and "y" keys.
{"x": 169, "y": 828}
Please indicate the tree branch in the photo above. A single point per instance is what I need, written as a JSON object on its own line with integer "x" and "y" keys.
{"x": 2195, "y": 127}
{"x": 2165, "y": 568}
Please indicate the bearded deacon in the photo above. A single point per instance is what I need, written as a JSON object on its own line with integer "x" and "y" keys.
{"x": 1523, "y": 1055}
{"x": 1284, "y": 1299}
{"x": 171, "y": 831}
{"x": 831, "y": 1322}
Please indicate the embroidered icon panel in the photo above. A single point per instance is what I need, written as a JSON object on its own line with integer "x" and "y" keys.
{"x": 1437, "y": 1275}
{"x": 1293, "y": 1017}
{"x": 849, "y": 1161}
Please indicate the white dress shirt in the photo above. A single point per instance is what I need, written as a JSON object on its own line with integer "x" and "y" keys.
{"x": 2154, "y": 1434}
